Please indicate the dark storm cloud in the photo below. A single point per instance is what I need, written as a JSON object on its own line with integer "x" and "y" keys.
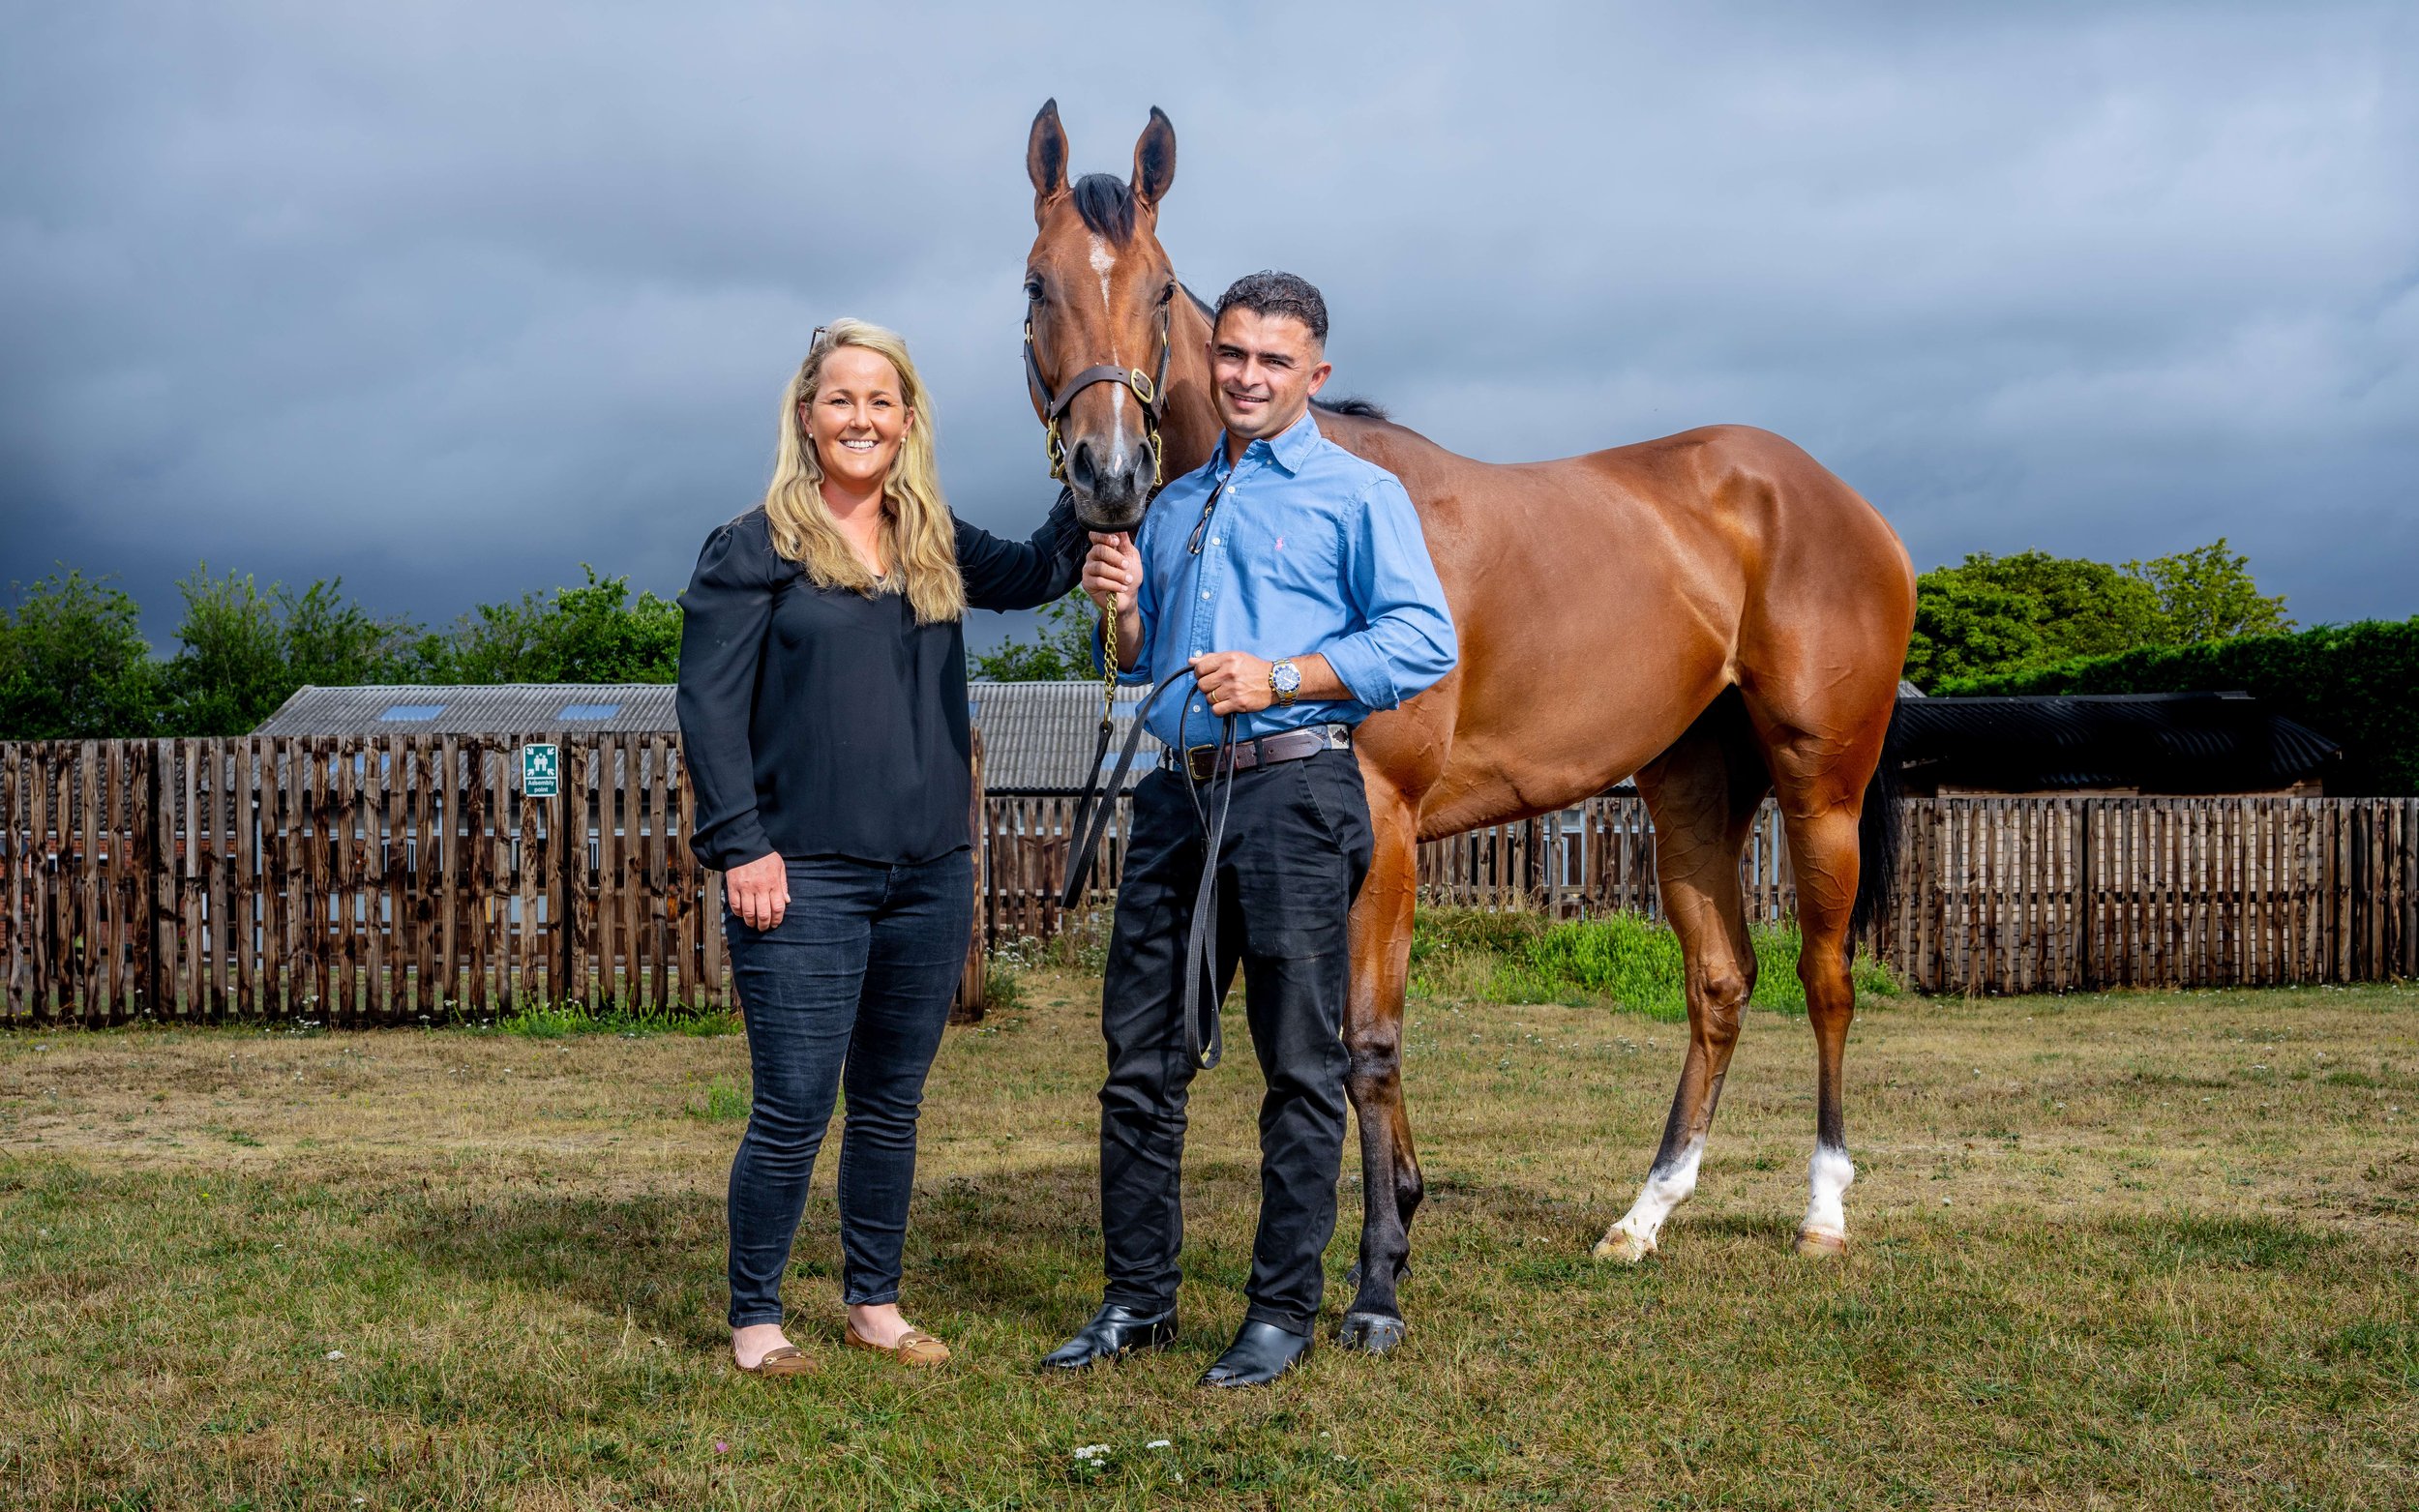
{"x": 448, "y": 299}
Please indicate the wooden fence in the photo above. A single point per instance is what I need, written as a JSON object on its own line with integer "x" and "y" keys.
{"x": 1994, "y": 895}
{"x": 391, "y": 879}
{"x": 353, "y": 880}
{"x": 2000, "y": 894}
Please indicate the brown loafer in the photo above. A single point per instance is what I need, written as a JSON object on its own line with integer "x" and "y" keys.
{"x": 787, "y": 1360}
{"x": 915, "y": 1347}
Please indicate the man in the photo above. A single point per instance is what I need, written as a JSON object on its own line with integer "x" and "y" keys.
{"x": 1290, "y": 577}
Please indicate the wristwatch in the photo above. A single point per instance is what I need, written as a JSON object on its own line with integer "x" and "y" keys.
{"x": 1285, "y": 681}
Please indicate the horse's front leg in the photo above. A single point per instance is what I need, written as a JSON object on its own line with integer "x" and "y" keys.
{"x": 1391, "y": 1186}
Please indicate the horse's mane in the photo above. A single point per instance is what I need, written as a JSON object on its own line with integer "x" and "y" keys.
{"x": 1347, "y": 405}
{"x": 1107, "y": 205}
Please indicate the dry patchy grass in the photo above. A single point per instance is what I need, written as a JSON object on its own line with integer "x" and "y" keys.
{"x": 2128, "y": 1250}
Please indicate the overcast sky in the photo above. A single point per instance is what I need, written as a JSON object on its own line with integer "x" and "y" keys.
{"x": 448, "y": 299}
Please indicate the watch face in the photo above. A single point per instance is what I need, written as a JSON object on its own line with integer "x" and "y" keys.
{"x": 1286, "y": 678}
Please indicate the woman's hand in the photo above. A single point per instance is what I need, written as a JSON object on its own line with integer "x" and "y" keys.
{"x": 759, "y": 892}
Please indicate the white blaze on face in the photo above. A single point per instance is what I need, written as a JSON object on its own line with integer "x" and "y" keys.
{"x": 1666, "y": 1188}
{"x": 1827, "y": 1179}
{"x": 1103, "y": 261}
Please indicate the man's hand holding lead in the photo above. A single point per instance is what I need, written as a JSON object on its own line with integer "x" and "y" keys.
{"x": 1112, "y": 570}
{"x": 1235, "y": 682}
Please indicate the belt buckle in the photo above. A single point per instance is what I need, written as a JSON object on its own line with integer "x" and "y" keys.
{"x": 1201, "y": 763}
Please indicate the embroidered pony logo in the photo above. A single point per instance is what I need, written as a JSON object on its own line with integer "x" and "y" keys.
{"x": 1280, "y": 543}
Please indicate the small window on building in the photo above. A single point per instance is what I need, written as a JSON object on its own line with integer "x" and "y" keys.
{"x": 411, "y": 711}
{"x": 588, "y": 711}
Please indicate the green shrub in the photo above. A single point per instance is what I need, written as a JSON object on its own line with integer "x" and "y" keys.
{"x": 1003, "y": 986}
{"x": 1623, "y": 958}
{"x": 1082, "y": 943}
{"x": 2351, "y": 682}
{"x": 557, "y": 1020}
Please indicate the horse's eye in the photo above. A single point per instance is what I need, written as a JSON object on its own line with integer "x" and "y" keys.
{"x": 1168, "y": 293}
{"x": 1032, "y": 290}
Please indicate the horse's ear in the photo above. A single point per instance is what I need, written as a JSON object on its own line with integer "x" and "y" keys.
{"x": 1045, "y": 157}
{"x": 1154, "y": 158}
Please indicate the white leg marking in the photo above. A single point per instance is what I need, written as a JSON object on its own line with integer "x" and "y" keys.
{"x": 1827, "y": 1179}
{"x": 1666, "y": 1188}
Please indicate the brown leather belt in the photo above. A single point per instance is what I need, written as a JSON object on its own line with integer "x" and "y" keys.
{"x": 1264, "y": 751}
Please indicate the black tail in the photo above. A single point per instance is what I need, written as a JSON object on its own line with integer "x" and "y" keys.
{"x": 1878, "y": 841}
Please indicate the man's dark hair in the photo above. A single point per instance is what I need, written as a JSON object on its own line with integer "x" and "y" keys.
{"x": 1270, "y": 293}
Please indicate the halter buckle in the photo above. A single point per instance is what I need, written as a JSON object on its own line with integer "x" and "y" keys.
{"x": 1140, "y": 384}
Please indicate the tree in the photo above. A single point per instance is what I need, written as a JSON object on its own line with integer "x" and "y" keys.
{"x": 243, "y": 652}
{"x": 1967, "y": 627}
{"x": 1060, "y": 650}
{"x": 595, "y": 633}
{"x": 2207, "y": 594}
{"x": 1996, "y": 616}
{"x": 74, "y": 664}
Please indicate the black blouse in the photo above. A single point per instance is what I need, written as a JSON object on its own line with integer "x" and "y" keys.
{"x": 819, "y": 722}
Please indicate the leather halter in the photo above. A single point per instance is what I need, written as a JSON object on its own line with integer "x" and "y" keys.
{"x": 1151, "y": 392}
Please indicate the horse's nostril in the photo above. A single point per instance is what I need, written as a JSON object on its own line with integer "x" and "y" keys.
{"x": 1079, "y": 467}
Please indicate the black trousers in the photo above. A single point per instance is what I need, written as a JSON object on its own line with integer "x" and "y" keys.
{"x": 1297, "y": 848}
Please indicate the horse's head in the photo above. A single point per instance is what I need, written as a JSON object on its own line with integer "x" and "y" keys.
{"x": 1101, "y": 306}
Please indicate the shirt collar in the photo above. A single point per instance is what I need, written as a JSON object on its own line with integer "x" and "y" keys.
{"x": 1291, "y": 448}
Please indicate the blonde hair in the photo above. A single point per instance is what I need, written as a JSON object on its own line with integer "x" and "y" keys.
{"x": 917, "y": 534}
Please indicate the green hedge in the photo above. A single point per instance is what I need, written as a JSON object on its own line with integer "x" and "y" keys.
{"x": 2356, "y": 683}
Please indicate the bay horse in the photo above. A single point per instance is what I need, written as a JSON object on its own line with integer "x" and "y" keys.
{"x": 1713, "y": 612}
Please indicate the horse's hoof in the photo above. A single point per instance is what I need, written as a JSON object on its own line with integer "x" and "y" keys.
{"x": 1816, "y": 1245}
{"x": 1371, "y": 1333}
{"x": 1620, "y": 1244}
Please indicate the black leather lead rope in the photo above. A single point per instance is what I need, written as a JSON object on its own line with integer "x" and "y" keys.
{"x": 1204, "y": 1039}
{"x": 1091, "y": 810}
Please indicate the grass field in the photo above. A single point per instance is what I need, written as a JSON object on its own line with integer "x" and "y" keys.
{"x": 2144, "y": 1250}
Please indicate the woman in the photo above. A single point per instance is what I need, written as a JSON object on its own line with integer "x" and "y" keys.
{"x": 824, "y": 720}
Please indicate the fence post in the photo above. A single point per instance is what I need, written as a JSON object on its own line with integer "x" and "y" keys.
{"x": 571, "y": 855}
{"x": 969, "y": 1007}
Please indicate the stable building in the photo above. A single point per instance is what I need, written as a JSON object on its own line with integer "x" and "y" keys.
{"x": 2108, "y": 745}
{"x": 1039, "y": 737}
{"x": 488, "y": 709}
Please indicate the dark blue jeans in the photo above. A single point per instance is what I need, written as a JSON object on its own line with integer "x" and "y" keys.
{"x": 850, "y": 989}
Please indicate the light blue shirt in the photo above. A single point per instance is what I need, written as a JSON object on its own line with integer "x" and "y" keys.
{"x": 1310, "y": 548}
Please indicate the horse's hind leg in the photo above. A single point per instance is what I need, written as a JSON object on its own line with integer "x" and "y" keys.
{"x": 1819, "y": 782}
{"x": 1391, "y": 1186}
{"x": 1703, "y": 793}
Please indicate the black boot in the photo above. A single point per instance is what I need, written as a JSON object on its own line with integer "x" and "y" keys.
{"x": 1113, "y": 1331}
{"x": 1260, "y": 1353}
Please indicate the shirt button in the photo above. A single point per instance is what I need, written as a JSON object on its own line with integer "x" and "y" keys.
{"x": 1205, "y": 593}
{"x": 1214, "y": 539}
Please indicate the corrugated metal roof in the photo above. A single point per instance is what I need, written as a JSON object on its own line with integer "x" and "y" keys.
{"x": 472, "y": 709}
{"x": 1039, "y": 737}
{"x": 2156, "y": 742}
